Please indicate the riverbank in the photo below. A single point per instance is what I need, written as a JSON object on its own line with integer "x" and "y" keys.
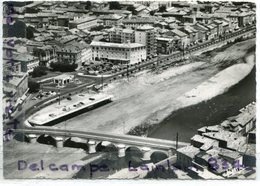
{"x": 218, "y": 84}
{"x": 149, "y": 98}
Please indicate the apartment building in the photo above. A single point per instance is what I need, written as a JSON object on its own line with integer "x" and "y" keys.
{"x": 119, "y": 35}
{"x": 145, "y": 35}
{"x": 118, "y": 53}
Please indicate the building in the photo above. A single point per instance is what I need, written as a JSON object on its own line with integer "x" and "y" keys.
{"x": 243, "y": 123}
{"x": 41, "y": 19}
{"x": 18, "y": 84}
{"x": 83, "y": 23}
{"x": 138, "y": 22}
{"x": 213, "y": 30}
{"x": 177, "y": 14}
{"x": 21, "y": 62}
{"x": 118, "y": 53}
{"x": 203, "y": 143}
{"x": 192, "y": 34}
{"x": 202, "y": 32}
{"x": 119, "y": 35}
{"x": 30, "y": 45}
{"x": 168, "y": 45}
{"x": 63, "y": 79}
{"x": 185, "y": 156}
{"x": 46, "y": 55}
{"x": 74, "y": 52}
{"x": 145, "y": 35}
{"x": 233, "y": 22}
{"x": 124, "y": 13}
{"x": 219, "y": 27}
{"x": 185, "y": 40}
{"x": 111, "y": 20}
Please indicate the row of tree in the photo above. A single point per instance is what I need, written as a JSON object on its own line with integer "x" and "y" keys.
{"x": 63, "y": 67}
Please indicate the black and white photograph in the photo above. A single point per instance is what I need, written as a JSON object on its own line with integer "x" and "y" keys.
{"x": 133, "y": 90}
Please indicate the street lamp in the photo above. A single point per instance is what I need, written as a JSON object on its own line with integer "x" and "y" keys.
{"x": 102, "y": 80}
{"x": 59, "y": 96}
{"x": 127, "y": 72}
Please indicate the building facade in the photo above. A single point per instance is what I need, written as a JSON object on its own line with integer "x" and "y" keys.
{"x": 168, "y": 45}
{"x": 46, "y": 55}
{"x": 83, "y": 23}
{"x": 118, "y": 53}
{"x": 145, "y": 35}
{"x": 119, "y": 35}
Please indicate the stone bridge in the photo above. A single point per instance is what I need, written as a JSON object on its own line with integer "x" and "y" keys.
{"x": 92, "y": 139}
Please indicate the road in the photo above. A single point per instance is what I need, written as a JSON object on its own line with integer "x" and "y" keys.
{"x": 28, "y": 110}
{"x": 172, "y": 58}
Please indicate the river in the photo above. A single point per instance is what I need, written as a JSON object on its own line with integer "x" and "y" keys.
{"x": 186, "y": 121}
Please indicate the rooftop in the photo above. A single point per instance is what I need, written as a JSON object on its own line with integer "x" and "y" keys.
{"x": 229, "y": 153}
{"x": 116, "y": 45}
{"x": 83, "y": 19}
{"x": 189, "y": 151}
{"x": 207, "y": 142}
{"x": 179, "y": 33}
{"x": 111, "y": 17}
{"x": 145, "y": 27}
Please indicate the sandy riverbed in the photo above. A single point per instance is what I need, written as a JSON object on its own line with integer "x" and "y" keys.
{"x": 149, "y": 97}
{"x": 145, "y": 98}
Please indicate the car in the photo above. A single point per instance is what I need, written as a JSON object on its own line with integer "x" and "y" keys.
{"x": 92, "y": 99}
{"x": 34, "y": 98}
{"x": 69, "y": 98}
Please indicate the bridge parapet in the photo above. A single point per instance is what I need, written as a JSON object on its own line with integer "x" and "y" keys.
{"x": 146, "y": 146}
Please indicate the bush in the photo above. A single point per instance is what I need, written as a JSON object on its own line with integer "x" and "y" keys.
{"x": 33, "y": 86}
{"x": 39, "y": 71}
{"x": 63, "y": 67}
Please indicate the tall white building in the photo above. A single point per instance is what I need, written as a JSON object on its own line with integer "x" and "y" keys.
{"x": 146, "y": 35}
{"x": 118, "y": 53}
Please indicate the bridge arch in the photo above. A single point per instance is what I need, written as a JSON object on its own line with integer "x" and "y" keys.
{"x": 75, "y": 143}
{"x": 21, "y": 137}
{"x": 46, "y": 139}
{"x": 132, "y": 151}
{"x": 106, "y": 146}
{"x": 157, "y": 156}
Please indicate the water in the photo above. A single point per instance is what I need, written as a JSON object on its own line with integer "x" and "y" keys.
{"x": 186, "y": 121}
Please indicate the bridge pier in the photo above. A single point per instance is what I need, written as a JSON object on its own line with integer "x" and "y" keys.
{"x": 59, "y": 142}
{"x": 121, "y": 150}
{"x": 170, "y": 153}
{"x": 32, "y": 138}
{"x": 91, "y": 146}
{"x": 146, "y": 153}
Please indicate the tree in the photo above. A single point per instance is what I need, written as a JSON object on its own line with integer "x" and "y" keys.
{"x": 30, "y": 32}
{"x": 63, "y": 67}
{"x": 33, "y": 86}
{"x": 88, "y": 5}
{"x": 39, "y": 71}
{"x": 131, "y": 9}
{"x": 162, "y": 8}
{"x": 114, "y": 5}
{"x": 18, "y": 29}
{"x": 152, "y": 12}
